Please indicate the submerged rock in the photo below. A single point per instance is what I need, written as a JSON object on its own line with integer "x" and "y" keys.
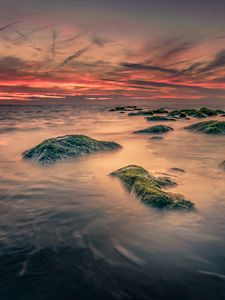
{"x": 160, "y": 111}
{"x": 149, "y": 189}
{"x": 155, "y": 129}
{"x": 141, "y": 113}
{"x": 160, "y": 118}
{"x": 166, "y": 182}
{"x": 208, "y": 127}
{"x": 156, "y": 138}
{"x": 65, "y": 147}
{"x": 126, "y": 108}
{"x": 222, "y": 165}
{"x": 178, "y": 170}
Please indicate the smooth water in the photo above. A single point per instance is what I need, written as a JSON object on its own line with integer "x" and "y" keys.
{"x": 71, "y": 231}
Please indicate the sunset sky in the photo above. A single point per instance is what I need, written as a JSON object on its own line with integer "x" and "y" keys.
{"x": 105, "y": 49}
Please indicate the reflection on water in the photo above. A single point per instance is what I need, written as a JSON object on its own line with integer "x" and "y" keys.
{"x": 70, "y": 231}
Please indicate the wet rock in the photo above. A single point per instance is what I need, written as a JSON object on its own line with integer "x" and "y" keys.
{"x": 220, "y": 111}
{"x": 182, "y": 115}
{"x": 207, "y": 111}
{"x": 126, "y": 108}
{"x": 160, "y": 118}
{"x": 156, "y": 138}
{"x": 149, "y": 189}
{"x": 160, "y": 111}
{"x": 209, "y": 127}
{"x": 155, "y": 129}
{"x": 66, "y": 147}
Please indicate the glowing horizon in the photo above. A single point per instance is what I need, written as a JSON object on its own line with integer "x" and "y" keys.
{"x": 104, "y": 49}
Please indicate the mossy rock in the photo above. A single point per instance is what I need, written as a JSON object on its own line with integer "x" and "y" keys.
{"x": 199, "y": 115}
{"x": 149, "y": 189}
{"x": 155, "y": 129}
{"x": 209, "y": 127}
{"x": 207, "y": 111}
{"x": 160, "y": 118}
{"x": 220, "y": 111}
{"x": 65, "y": 147}
{"x": 160, "y": 111}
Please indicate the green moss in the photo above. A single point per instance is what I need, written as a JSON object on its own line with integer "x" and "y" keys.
{"x": 65, "y": 147}
{"x": 208, "y": 127}
{"x": 149, "y": 189}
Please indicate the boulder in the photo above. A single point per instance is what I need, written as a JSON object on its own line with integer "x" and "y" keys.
{"x": 212, "y": 127}
{"x": 155, "y": 129}
{"x": 66, "y": 147}
{"x": 149, "y": 189}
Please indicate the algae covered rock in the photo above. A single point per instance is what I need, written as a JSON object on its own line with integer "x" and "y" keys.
{"x": 212, "y": 127}
{"x": 207, "y": 111}
{"x": 155, "y": 129}
{"x": 160, "y": 111}
{"x": 65, "y": 147}
{"x": 148, "y": 189}
{"x": 160, "y": 118}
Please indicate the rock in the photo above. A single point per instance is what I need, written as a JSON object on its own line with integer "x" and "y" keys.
{"x": 178, "y": 170}
{"x": 199, "y": 115}
{"x": 155, "y": 129}
{"x": 208, "y": 127}
{"x": 112, "y": 109}
{"x": 182, "y": 115}
{"x": 148, "y": 189}
{"x": 160, "y": 118}
{"x": 207, "y": 111}
{"x": 220, "y": 111}
{"x": 65, "y": 147}
{"x": 119, "y": 108}
{"x": 141, "y": 113}
{"x": 222, "y": 165}
{"x": 156, "y": 138}
{"x": 160, "y": 111}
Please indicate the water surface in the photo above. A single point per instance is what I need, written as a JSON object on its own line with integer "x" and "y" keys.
{"x": 70, "y": 231}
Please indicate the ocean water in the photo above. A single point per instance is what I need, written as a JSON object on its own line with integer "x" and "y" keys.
{"x": 71, "y": 231}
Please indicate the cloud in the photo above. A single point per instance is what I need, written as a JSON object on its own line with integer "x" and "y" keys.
{"x": 138, "y": 66}
{"x": 217, "y": 62}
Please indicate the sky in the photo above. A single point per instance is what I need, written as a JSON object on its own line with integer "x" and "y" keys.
{"x": 106, "y": 49}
